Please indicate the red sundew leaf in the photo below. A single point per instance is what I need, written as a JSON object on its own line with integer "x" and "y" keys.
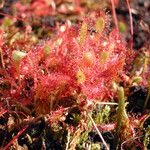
{"x": 92, "y": 90}
{"x": 36, "y": 8}
{"x": 66, "y": 57}
{"x": 57, "y": 115}
{"x": 73, "y": 8}
{"x": 139, "y": 144}
{"x": 112, "y": 71}
{"x": 88, "y": 59}
{"x": 40, "y": 8}
{"x": 1, "y": 37}
{"x": 107, "y": 127}
{"x": 62, "y": 9}
{"x": 52, "y": 84}
{"x": 25, "y": 101}
{"x": 114, "y": 35}
{"x": 20, "y": 7}
{"x": 137, "y": 122}
{"x": 30, "y": 64}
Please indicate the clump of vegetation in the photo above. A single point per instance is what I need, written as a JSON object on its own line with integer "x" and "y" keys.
{"x": 71, "y": 90}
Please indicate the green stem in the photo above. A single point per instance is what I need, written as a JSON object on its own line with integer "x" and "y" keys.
{"x": 120, "y": 113}
{"x": 148, "y": 95}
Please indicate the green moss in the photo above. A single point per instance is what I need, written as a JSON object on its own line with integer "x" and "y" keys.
{"x": 122, "y": 27}
{"x": 95, "y": 146}
{"x": 102, "y": 116}
{"x": 147, "y": 137}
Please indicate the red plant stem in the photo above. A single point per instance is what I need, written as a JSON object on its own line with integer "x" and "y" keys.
{"x": 139, "y": 144}
{"x": 2, "y": 59}
{"x": 143, "y": 118}
{"x": 114, "y": 14}
{"x": 11, "y": 80}
{"x": 23, "y": 114}
{"x": 15, "y": 138}
{"x": 130, "y": 140}
{"x": 131, "y": 22}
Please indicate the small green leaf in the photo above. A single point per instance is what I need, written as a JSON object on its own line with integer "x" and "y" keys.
{"x": 47, "y": 50}
{"x": 83, "y": 32}
{"x": 100, "y": 24}
{"x": 80, "y": 77}
{"x": 122, "y": 27}
{"x": 18, "y": 55}
{"x": 136, "y": 79}
{"x": 103, "y": 57}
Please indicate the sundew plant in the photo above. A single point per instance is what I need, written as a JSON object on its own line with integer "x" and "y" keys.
{"x": 77, "y": 63}
{"x": 71, "y": 86}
